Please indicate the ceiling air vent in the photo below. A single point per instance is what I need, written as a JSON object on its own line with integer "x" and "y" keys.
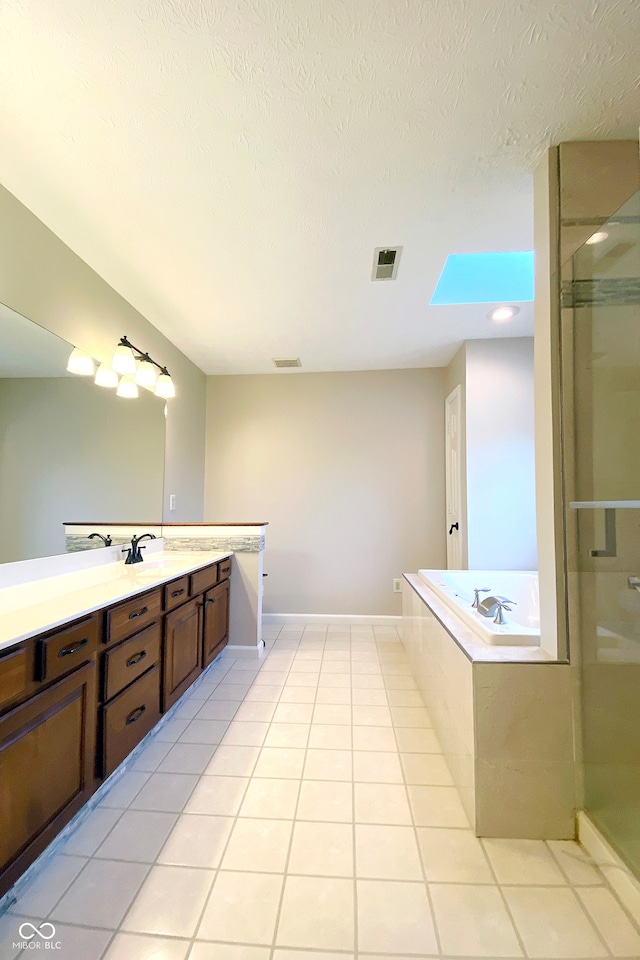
{"x": 385, "y": 263}
{"x": 287, "y": 362}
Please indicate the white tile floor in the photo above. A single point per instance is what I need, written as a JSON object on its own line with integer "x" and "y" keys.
{"x": 301, "y": 809}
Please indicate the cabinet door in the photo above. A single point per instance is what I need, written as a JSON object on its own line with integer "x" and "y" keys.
{"x": 216, "y": 622}
{"x": 182, "y": 645}
{"x": 47, "y": 751}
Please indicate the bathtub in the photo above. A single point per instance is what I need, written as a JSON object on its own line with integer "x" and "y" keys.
{"x": 455, "y": 588}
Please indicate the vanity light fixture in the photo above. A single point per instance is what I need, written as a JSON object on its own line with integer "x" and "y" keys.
{"x": 501, "y": 314}
{"x": 81, "y": 363}
{"x": 165, "y": 387}
{"x": 146, "y": 375}
{"x": 127, "y": 388}
{"x": 123, "y": 359}
{"x": 141, "y": 366}
{"x": 105, "y": 376}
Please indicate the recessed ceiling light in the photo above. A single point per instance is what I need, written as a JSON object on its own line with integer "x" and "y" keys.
{"x": 597, "y": 237}
{"x": 500, "y": 314}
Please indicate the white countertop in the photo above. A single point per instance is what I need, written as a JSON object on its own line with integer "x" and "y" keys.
{"x": 35, "y": 607}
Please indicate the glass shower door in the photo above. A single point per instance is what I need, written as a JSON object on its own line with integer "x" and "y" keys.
{"x": 601, "y": 383}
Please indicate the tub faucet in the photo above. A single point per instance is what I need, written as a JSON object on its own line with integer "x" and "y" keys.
{"x": 477, "y": 591}
{"x": 133, "y": 552}
{"x": 106, "y": 540}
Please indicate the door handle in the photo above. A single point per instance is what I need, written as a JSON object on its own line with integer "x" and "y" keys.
{"x": 454, "y": 526}
{"x": 609, "y": 535}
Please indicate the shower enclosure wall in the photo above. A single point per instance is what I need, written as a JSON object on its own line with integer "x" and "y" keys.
{"x": 600, "y": 442}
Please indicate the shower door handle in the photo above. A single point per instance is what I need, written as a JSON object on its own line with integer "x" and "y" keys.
{"x": 609, "y": 535}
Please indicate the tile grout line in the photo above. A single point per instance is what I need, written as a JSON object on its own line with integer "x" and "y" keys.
{"x": 356, "y": 929}
{"x": 285, "y": 872}
{"x": 194, "y": 937}
{"x": 432, "y": 911}
{"x": 493, "y": 873}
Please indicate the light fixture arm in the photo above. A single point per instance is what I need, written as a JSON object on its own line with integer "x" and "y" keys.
{"x": 141, "y": 355}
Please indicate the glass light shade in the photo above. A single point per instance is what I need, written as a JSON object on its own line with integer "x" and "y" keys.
{"x": 146, "y": 375}
{"x": 165, "y": 387}
{"x": 127, "y": 388}
{"x": 105, "y": 376}
{"x": 124, "y": 360}
{"x": 81, "y": 363}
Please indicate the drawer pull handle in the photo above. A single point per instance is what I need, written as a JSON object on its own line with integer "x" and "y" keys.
{"x": 176, "y": 593}
{"x": 135, "y": 714}
{"x": 66, "y": 651}
{"x": 132, "y": 616}
{"x": 207, "y": 602}
{"x": 225, "y": 569}
{"x": 137, "y": 658}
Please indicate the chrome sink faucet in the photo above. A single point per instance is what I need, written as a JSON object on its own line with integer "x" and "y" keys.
{"x": 133, "y": 552}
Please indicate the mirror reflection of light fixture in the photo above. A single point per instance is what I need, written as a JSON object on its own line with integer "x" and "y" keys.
{"x": 146, "y": 375}
{"x": 597, "y": 237}
{"x": 81, "y": 363}
{"x": 105, "y": 376}
{"x": 127, "y": 388}
{"x": 164, "y": 386}
{"x": 123, "y": 359}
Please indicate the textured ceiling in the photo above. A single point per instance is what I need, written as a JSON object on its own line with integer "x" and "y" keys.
{"x": 230, "y": 167}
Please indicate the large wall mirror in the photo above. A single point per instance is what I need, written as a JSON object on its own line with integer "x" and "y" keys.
{"x": 70, "y": 451}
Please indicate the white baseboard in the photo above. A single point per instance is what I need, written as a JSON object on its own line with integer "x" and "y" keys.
{"x": 618, "y": 874}
{"x": 332, "y": 618}
{"x": 244, "y": 651}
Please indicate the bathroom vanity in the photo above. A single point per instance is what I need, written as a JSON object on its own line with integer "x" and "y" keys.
{"x": 88, "y": 664}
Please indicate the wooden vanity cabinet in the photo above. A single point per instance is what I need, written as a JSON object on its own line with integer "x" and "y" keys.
{"x": 182, "y": 650}
{"x": 197, "y": 630}
{"x": 66, "y": 721}
{"x": 215, "y": 634}
{"x": 47, "y": 743}
{"x": 130, "y": 672}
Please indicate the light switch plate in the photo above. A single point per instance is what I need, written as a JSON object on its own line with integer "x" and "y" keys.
{"x": 172, "y": 501}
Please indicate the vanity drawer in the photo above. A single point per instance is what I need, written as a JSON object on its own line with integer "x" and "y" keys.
{"x": 66, "y": 649}
{"x": 15, "y": 673}
{"x": 127, "y": 719}
{"x": 224, "y": 569}
{"x": 131, "y": 616}
{"x": 201, "y": 580}
{"x": 129, "y": 660}
{"x": 176, "y": 593}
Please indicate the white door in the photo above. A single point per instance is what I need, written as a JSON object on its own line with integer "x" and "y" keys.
{"x": 453, "y": 483}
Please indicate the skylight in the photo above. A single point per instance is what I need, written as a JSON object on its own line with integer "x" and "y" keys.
{"x": 485, "y": 278}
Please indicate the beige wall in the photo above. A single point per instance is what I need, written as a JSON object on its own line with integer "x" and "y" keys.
{"x": 456, "y": 376}
{"x": 70, "y": 451}
{"x": 497, "y": 488}
{"x": 501, "y": 498}
{"x": 42, "y": 279}
{"x": 347, "y": 468}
